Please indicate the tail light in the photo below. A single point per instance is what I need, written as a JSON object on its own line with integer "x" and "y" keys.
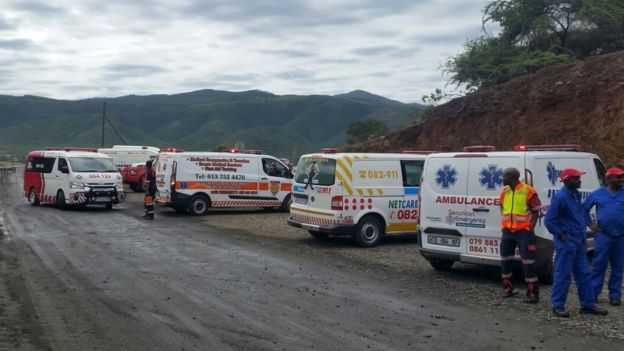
{"x": 336, "y": 203}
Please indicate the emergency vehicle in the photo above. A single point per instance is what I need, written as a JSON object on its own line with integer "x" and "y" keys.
{"x": 361, "y": 195}
{"x": 197, "y": 181}
{"x": 460, "y": 216}
{"x": 130, "y": 160}
{"x": 72, "y": 176}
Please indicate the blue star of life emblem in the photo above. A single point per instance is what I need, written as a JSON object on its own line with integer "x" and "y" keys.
{"x": 553, "y": 173}
{"x": 446, "y": 176}
{"x": 491, "y": 177}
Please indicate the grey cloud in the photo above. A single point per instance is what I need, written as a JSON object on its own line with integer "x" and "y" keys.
{"x": 297, "y": 74}
{"x": 249, "y": 77}
{"x": 130, "y": 71}
{"x": 38, "y": 7}
{"x": 5, "y": 24}
{"x": 473, "y": 31}
{"x": 381, "y": 74}
{"x": 388, "y": 50}
{"x": 339, "y": 61}
{"x": 289, "y": 53}
{"x": 16, "y": 44}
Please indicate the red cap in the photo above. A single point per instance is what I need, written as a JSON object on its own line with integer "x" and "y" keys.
{"x": 614, "y": 171}
{"x": 570, "y": 172}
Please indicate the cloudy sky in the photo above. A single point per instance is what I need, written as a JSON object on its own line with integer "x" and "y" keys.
{"x": 73, "y": 49}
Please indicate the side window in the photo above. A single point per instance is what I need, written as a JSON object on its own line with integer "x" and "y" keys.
{"x": 411, "y": 171}
{"x": 600, "y": 170}
{"x": 62, "y": 164}
{"x": 274, "y": 168}
{"x": 47, "y": 164}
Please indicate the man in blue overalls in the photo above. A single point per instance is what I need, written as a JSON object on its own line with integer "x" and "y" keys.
{"x": 609, "y": 248}
{"x": 567, "y": 221}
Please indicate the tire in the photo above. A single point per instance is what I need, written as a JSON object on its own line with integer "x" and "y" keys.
{"x": 109, "y": 206}
{"x": 318, "y": 235}
{"x": 286, "y": 204}
{"x": 198, "y": 205}
{"x": 368, "y": 232}
{"x": 442, "y": 265}
{"x": 60, "y": 200}
{"x": 32, "y": 198}
{"x": 139, "y": 187}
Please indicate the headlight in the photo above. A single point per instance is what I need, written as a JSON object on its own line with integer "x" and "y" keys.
{"x": 76, "y": 185}
{"x": 119, "y": 186}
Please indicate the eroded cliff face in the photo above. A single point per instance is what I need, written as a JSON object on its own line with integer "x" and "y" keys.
{"x": 579, "y": 103}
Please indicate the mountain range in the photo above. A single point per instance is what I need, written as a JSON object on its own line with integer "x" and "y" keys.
{"x": 282, "y": 125}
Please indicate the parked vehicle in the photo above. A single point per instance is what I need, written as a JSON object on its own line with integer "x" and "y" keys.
{"x": 72, "y": 176}
{"x": 362, "y": 195}
{"x": 130, "y": 160}
{"x": 198, "y": 181}
{"x": 460, "y": 207}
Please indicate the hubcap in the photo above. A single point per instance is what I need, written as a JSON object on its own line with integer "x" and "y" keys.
{"x": 32, "y": 196}
{"x": 199, "y": 206}
{"x": 369, "y": 231}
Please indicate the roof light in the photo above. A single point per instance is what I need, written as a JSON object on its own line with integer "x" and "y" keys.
{"x": 71, "y": 148}
{"x": 253, "y": 152}
{"x": 234, "y": 151}
{"x": 479, "y": 148}
{"x": 553, "y": 147}
{"x": 329, "y": 150}
{"x": 172, "y": 149}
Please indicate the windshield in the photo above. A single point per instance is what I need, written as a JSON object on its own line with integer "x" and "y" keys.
{"x": 92, "y": 164}
{"x": 316, "y": 170}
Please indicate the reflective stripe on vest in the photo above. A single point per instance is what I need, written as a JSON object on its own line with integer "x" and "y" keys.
{"x": 516, "y": 211}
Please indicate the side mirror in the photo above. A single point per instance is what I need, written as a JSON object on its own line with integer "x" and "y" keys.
{"x": 65, "y": 169}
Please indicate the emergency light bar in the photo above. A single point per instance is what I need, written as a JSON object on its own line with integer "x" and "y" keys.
{"x": 253, "y": 152}
{"x": 172, "y": 149}
{"x": 71, "y": 148}
{"x": 479, "y": 148}
{"x": 553, "y": 147}
{"x": 329, "y": 150}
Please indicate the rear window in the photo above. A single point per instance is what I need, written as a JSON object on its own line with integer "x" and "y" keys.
{"x": 412, "y": 171}
{"x": 316, "y": 170}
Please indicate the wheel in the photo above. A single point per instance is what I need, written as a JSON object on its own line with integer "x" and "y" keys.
{"x": 139, "y": 186}
{"x": 441, "y": 265}
{"x": 545, "y": 272}
{"x": 32, "y": 197}
{"x": 198, "y": 205}
{"x": 133, "y": 187}
{"x": 368, "y": 232}
{"x": 286, "y": 204}
{"x": 318, "y": 235}
{"x": 109, "y": 206}
{"x": 60, "y": 200}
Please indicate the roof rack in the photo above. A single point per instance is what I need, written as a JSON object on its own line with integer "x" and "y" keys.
{"x": 71, "y": 148}
{"x": 552, "y": 147}
{"x": 329, "y": 150}
{"x": 479, "y": 148}
{"x": 419, "y": 152}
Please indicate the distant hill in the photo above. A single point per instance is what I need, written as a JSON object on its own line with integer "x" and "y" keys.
{"x": 576, "y": 103}
{"x": 283, "y": 125}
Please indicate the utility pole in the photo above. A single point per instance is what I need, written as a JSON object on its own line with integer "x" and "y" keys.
{"x": 103, "y": 121}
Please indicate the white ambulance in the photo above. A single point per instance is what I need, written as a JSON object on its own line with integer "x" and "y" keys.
{"x": 130, "y": 160}
{"x": 362, "y": 195}
{"x": 72, "y": 176}
{"x": 197, "y": 181}
{"x": 460, "y": 206}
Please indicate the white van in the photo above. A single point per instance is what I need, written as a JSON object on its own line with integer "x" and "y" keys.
{"x": 72, "y": 177}
{"x": 130, "y": 160}
{"x": 460, "y": 206}
{"x": 362, "y": 195}
{"x": 197, "y": 181}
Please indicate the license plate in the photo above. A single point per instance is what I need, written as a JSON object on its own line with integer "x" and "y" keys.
{"x": 443, "y": 240}
{"x": 483, "y": 246}
{"x": 102, "y": 198}
{"x": 301, "y": 200}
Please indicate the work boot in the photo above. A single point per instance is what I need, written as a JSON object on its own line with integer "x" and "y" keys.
{"x": 532, "y": 295}
{"x": 595, "y": 310}
{"x": 615, "y": 302}
{"x": 561, "y": 313}
{"x": 508, "y": 289}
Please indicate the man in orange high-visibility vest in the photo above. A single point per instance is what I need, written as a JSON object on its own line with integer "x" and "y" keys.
{"x": 519, "y": 207}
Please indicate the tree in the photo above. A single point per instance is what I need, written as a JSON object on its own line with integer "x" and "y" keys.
{"x": 535, "y": 34}
{"x": 364, "y": 130}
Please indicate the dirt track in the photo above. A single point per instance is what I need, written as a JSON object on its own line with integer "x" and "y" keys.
{"x": 107, "y": 280}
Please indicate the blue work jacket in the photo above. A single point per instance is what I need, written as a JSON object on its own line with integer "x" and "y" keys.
{"x": 566, "y": 215}
{"x": 609, "y": 210}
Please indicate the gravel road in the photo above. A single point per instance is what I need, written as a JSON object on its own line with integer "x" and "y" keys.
{"x": 94, "y": 279}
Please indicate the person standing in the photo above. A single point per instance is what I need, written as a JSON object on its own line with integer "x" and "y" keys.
{"x": 519, "y": 207}
{"x": 150, "y": 190}
{"x": 609, "y": 240}
{"x": 567, "y": 220}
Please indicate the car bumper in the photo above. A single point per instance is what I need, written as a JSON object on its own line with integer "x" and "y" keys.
{"x": 333, "y": 229}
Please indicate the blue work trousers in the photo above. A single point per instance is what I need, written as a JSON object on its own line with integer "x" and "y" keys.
{"x": 608, "y": 249}
{"x": 571, "y": 258}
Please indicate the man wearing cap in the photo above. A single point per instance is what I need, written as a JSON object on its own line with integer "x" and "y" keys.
{"x": 609, "y": 241}
{"x": 567, "y": 221}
